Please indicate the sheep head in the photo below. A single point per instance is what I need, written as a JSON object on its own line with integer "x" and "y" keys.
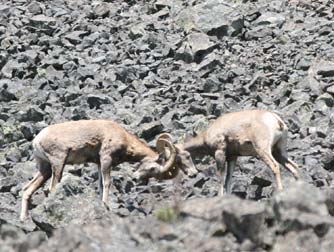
{"x": 161, "y": 167}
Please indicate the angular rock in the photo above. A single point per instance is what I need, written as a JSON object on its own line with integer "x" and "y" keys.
{"x": 32, "y": 114}
{"x": 195, "y": 47}
{"x": 71, "y": 202}
{"x": 7, "y": 183}
{"x": 35, "y": 8}
{"x": 212, "y": 85}
{"x": 203, "y": 16}
{"x": 42, "y": 22}
{"x": 76, "y": 37}
{"x": 95, "y": 101}
{"x": 149, "y": 130}
{"x": 301, "y": 196}
{"x": 137, "y": 31}
{"x": 325, "y": 69}
{"x": 103, "y": 9}
{"x": 246, "y": 222}
{"x": 328, "y": 160}
{"x": 4, "y": 10}
{"x": 28, "y": 131}
{"x": 303, "y": 240}
{"x": 10, "y": 68}
{"x": 330, "y": 90}
{"x": 268, "y": 18}
{"x": 5, "y": 95}
{"x": 69, "y": 60}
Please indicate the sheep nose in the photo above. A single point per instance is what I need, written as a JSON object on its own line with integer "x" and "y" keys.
{"x": 193, "y": 173}
{"x": 138, "y": 179}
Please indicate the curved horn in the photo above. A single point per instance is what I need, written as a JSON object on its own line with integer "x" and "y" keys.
{"x": 166, "y": 136}
{"x": 172, "y": 155}
{"x": 161, "y": 146}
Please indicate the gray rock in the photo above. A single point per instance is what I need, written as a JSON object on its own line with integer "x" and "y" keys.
{"x": 35, "y": 8}
{"x": 328, "y": 160}
{"x": 195, "y": 47}
{"x": 325, "y": 69}
{"x": 4, "y": 10}
{"x": 124, "y": 240}
{"x": 76, "y": 37}
{"x": 65, "y": 206}
{"x": 95, "y": 101}
{"x": 28, "y": 131}
{"x": 7, "y": 183}
{"x": 204, "y": 16}
{"x": 212, "y": 85}
{"x": 303, "y": 207}
{"x": 259, "y": 32}
{"x": 301, "y": 196}
{"x": 263, "y": 178}
{"x": 326, "y": 242}
{"x": 245, "y": 222}
{"x": 149, "y": 130}
{"x": 300, "y": 240}
{"x": 33, "y": 114}
{"x": 324, "y": 101}
{"x": 268, "y": 18}
{"x": 5, "y": 95}
{"x": 103, "y": 9}
{"x": 42, "y": 22}
{"x": 330, "y": 90}
{"x": 170, "y": 66}
{"x": 137, "y": 31}
{"x": 13, "y": 155}
{"x": 10, "y": 68}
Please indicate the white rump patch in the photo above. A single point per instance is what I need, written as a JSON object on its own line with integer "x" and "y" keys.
{"x": 272, "y": 121}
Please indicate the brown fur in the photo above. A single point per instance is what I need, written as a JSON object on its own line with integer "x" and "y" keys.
{"x": 99, "y": 141}
{"x": 246, "y": 133}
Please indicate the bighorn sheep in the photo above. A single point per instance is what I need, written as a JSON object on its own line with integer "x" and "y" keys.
{"x": 99, "y": 141}
{"x": 246, "y": 133}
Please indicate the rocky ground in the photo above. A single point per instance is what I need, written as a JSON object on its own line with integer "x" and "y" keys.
{"x": 168, "y": 66}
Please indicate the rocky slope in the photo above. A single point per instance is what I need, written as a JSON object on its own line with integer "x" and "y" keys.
{"x": 168, "y": 66}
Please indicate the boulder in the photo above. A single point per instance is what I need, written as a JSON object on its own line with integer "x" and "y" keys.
{"x": 71, "y": 202}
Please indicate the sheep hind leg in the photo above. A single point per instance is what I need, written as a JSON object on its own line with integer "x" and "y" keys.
{"x": 281, "y": 156}
{"x": 41, "y": 177}
{"x": 287, "y": 164}
{"x": 31, "y": 181}
{"x": 268, "y": 158}
{"x": 293, "y": 166}
{"x": 220, "y": 160}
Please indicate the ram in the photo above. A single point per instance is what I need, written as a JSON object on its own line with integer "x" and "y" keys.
{"x": 98, "y": 141}
{"x": 246, "y": 133}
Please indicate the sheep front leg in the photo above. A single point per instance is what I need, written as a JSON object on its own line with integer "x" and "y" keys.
{"x": 231, "y": 162}
{"x": 220, "y": 160}
{"x": 106, "y": 162}
{"x": 100, "y": 183}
